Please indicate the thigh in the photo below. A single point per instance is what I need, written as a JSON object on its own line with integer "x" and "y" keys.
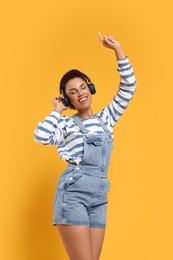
{"x": 77, "y": 241}
{"x": 97, "y": 237}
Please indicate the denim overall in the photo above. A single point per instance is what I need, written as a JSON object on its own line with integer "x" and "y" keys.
{"x": 81, "y": 193}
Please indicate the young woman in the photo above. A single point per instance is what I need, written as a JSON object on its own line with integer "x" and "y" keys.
{"x": 85, "y": 141}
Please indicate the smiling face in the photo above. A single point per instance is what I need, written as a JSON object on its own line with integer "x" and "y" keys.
{"x": 79, "y": 94}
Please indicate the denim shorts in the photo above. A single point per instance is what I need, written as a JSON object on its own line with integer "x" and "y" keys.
{"x": 81, "y": 198}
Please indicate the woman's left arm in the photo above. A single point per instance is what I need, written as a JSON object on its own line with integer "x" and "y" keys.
{"x": 127, "y": 84}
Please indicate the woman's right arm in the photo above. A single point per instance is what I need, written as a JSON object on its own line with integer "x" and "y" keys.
{"x": 51, "y": 129}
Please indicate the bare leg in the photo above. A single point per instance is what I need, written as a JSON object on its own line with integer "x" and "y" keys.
{"x": 97, "y": 237}
{"x": 77, "y": 241}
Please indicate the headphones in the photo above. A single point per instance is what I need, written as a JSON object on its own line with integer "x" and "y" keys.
{"x": 66, "y": 101}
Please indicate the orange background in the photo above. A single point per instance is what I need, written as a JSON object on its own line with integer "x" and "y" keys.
{"x": 41, "y": 40}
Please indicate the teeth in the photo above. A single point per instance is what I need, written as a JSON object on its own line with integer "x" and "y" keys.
{"x": 82, "y": 99}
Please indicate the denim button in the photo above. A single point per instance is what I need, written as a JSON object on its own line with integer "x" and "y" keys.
{"x": 78, "y": 168}
{"x": 71, "y": 178}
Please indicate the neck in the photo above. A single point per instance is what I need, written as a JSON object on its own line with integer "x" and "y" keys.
{"x": 85, "y": 114}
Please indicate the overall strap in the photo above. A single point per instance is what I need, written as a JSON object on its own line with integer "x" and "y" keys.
{"x": 104, "y": 126}
{"x": 80, "y": 125}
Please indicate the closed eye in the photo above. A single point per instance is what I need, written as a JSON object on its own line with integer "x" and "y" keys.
{"x": 73, "y": 92}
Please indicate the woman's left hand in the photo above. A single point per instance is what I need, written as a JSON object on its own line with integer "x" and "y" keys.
{"x": 111, "y": 43}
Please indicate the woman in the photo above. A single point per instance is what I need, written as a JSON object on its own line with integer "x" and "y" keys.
{"x": 85, "y": 141}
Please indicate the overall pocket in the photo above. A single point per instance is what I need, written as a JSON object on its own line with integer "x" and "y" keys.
{"x": 93, "y": 151}
{"x": 59, "y": 190}
{"x": 73, "y": 181}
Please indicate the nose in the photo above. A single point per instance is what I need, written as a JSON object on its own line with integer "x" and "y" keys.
{"x": 80, "y": 92}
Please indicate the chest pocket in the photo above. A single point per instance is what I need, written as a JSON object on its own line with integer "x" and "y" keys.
{"x": 93, "y": 151}
{"x": 95, "y": 140}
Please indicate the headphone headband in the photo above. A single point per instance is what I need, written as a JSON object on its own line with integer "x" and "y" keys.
{"x": 87, "y": 79}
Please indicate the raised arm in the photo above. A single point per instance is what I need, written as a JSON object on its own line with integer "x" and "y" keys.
{"x": 127, "y": 84}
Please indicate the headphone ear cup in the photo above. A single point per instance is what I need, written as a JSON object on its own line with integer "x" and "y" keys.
{"x": 66, "y": 101}
{"x": 92, "y": 88}
{"x": 90, "y": 85}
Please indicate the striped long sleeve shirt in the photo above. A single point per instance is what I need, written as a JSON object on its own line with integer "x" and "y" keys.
{"x": 62, "y": 132}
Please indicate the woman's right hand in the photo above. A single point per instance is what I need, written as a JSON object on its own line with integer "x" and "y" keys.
{"x": 58, "y": 105}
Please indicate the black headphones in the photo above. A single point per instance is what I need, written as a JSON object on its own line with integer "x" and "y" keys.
{"x": 66, "y": 101}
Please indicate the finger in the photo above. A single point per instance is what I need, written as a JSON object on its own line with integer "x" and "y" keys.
{"x": 100, "y": 36}
{"x": 105, "y": 39}
{"x": 111, "y": 39}
{"x": 56, "y": 100}
{"x": 58, "y": 97}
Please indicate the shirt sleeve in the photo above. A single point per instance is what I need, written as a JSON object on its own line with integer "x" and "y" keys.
{"x": 51, "y": 130}
{"x": 125, "y": 92}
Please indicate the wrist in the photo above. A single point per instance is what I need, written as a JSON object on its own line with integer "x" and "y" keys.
{"x": 119, "y": 53}
{"x": 58, "y": 110}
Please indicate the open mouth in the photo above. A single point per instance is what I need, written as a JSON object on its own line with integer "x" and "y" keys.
{"x": 82, "y": 99}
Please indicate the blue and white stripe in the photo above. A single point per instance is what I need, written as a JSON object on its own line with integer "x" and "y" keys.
{"x": 64, "y": 133}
